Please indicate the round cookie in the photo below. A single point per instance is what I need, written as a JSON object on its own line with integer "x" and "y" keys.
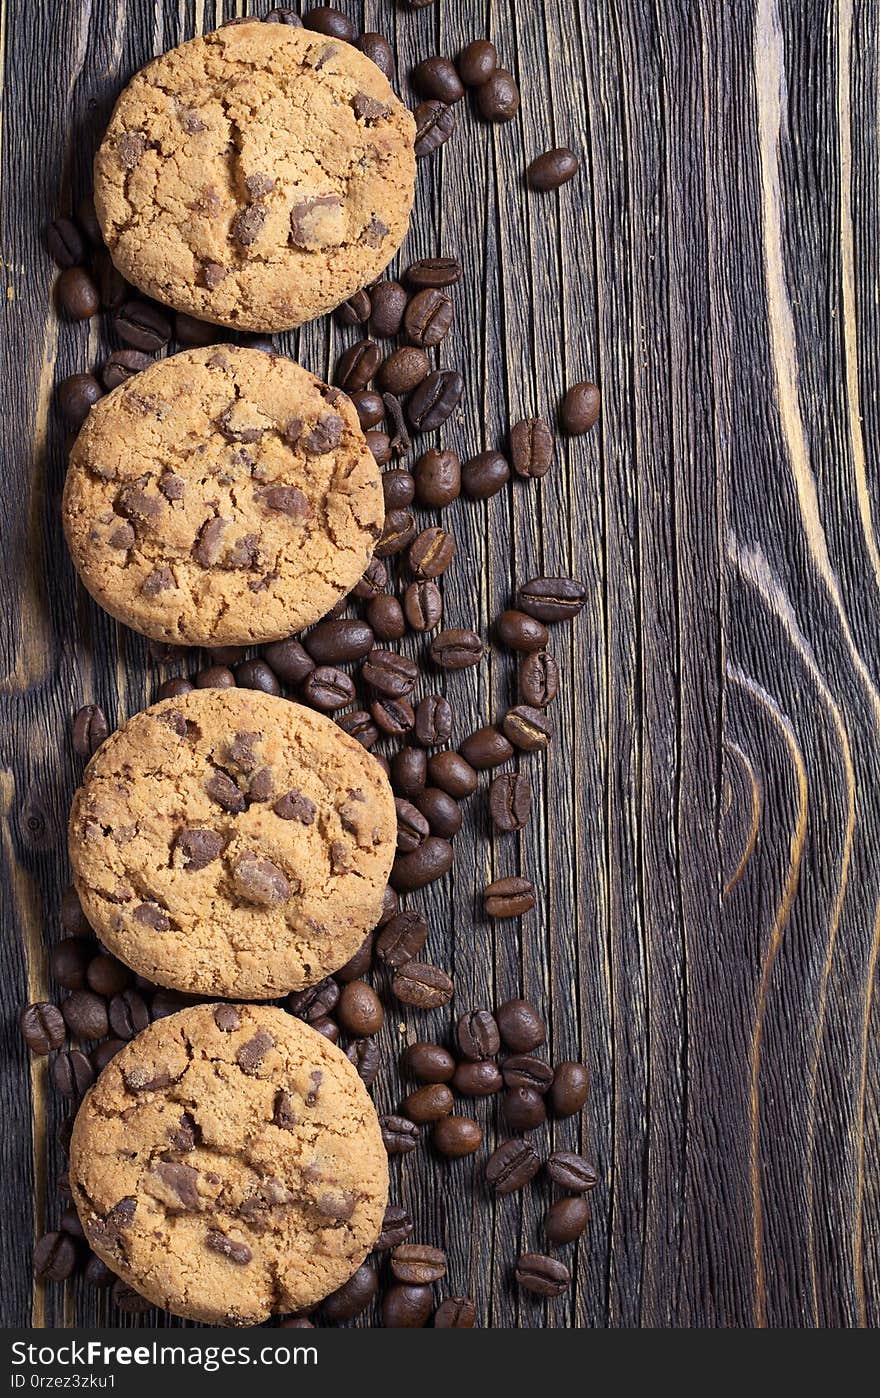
{"x": 229, "y": 1165}
{"x": 257, "y": 176}
{"x": 231, "y": 843}
{"x": 221, "y": 497}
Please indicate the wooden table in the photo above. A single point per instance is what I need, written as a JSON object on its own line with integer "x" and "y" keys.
{"x": 705, "y": 838}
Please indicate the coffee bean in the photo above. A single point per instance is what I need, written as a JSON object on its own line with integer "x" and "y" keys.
{"x": 328, "y": 688}
{"x": 565, "y": 1221}
{"x": 398, "y": 487}
{"x": 142, "y": 326}
{"x": 484, "y": 475}
{"x": 328, "y": 1028}
{"x": 65, "y": 244}
{"x": 316, "y": 1001}
{"x": 422, "y": 985}
{"x": 437, "y": 77}
{"x": 389, "y": 303}
{"x": 412, "y": 827}
{"x": 163, "y": 1003}
{"x": 173, "y": 689}
{"x": 398, "y": 531}
{"x": 477, "y": 62}
{"x": 369, "y": 407}
{"x": 528, "y": 729}
{"x": 571, "y": 1088}
{"x": 356, "y": 310}
{"x": 428, "y": 1103}
{"x": 129, "y": 1015}
{"x": 435, "y": 123}
{"x": 523, "y": 1109}
{"x": 417, "y": 1264}
{"x": 520, "y": 632}
{"x": 90, "y": 728}
{"x": 85, "y": 1014}
{"x": 97, "y": 1273}
{"x": 360, "y": 1010}
{"x": 477, "y": 1079}
{"x": 498, "y": 96}
{"x": 122, "y": 365}
{"x": 192, "y": 333}
{"x": 326, "y": 19}
{"x": 396, "y": 1228}
{"x": 457, "y": 1136}
{"x": 256, "y": 674}
{"x": 87, "y": 220}
{"x": 380, "y": 445}
{"x": 456, "y": 649}
{"x": 69, "y": 962}
{"x": 433, "y": 725}
{"x": 580, "y": 409}
{"x": 264, "y": 343}
{"x": 359, "y": 965}
{"x": 390, "y": 904}
{"x": 523, "y": 1070}
{"x": 423, "y": 605}
{"x": 442, "y": 813}
{"x": 104, "y": 1053}
{"x": 385, "y": 615}
{"x": 73, "y": 919}
{"x": 433, "y": 271}
{"x": 334, "y": 642}
{"x": 552, "y": 169}
{"x": 364, "y": 1054}
{"x": 54, "y": 1257}
{"x": 406, "y": 1307}
{"x": 542, "y": 1276}
{"x": 42, "y": 1027}
{"x": 429, "y": 317}
{"x": 531, "y": 448}
{"x": 128, "y": 1300}
{"x": 78, "y": 294}
{"x": 486, "y": 748}
{"x": 512, "y": 1166}
{"x": 354, "y": 1297}
{"x": 403, "y": 370}
{"x": 430, "y": 861}
{"x": 357, "y": 365}
{"x": 70, "y": 1223}
{"x": 377, "y": 48}
{"x": 510, "y": 801}
{"x": 409, "y": 770}
{"x": 452, "y": 773}
{"x": 455, "y": 1313}
{"x": 431, "y": 552}
{"x": 389, "y": 673}
{"x": 435, "y": 399}
{"x": 522, "y": 1028}
{"x": 572, "y": 1172}
{"x": 290, "y": 660}
{"x": 402, "y": 938}
{"x": 429, "y": 1063}
{"x": 552, "y": 599}
{"x": 511, "y": 897}
{"x": 476, "y": 1034}
{"x": 538, "y": 679}
{"x": 76, "y": 395}
{"x": 72, "y": 1074}
{"x": 113, "y": 289}
{"x": 437, "y": 476}
{"x": 399, "y": 1134}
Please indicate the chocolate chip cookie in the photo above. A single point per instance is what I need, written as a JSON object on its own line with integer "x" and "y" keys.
{"x": 230, "y": 843}
{"x": 257, "y": 176}
{"x": 222, "y": 497}
{"x": 229, "y": 1165}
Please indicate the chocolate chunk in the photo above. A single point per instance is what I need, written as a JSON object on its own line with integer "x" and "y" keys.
{"x": 198, "y": 847}
{"x": 222, "y": 789}
{"x": 261, "y": 785}
{"x": 227, "y": 1018}
{"x": 368, "y": 109}
{"x": 213, "y": 273}
{"x": 184, "y": 1137}
{"x": 142, "y": 1080}
{"x": 284, "y": 1114}
{"x": 293, "y": 430}
{"x": 316, "y": 1079}
{"x": 191, "y": 121}
{"x": 374, "y": 232}
{"x": 122, "y": 538}
{"x": 247, "y": 224}
{"x": 114, "y": 1223}
{"x": 251, "y": 1055}
{"x": 340, "y": 861}
{"x": 172, "y": 487}
{"x": 243, "y": 750}
{"x": 339, "y": 1207}
{"x": 209, "y": 542}
{"x": 151, "y": 915}
{"x": 260, "y": 881}
{"x": 136, "y": 504}
{"x": 295, "y": 806}
{"x": 259, "y": 184}
{"x": 325, "y": 435}
{"x": 239, "y": 1253}
{"x": 130, "y": 147}
{"x": 317, "y": 222}
{"x": 284, "y": 499}
{"x": 176, "y": 1183}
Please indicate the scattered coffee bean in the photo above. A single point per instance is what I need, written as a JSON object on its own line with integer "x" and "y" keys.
{"x": 76, "y": 395}
{"x": 357, "y": 365}
{"x": 399, "y": 530}
{"x": 435, "y": 123}
{"x": 396, "y": 1228}
{"x": 456, "y": 649}
{"x": 315, "y": 1001}
{"x": 85, "y": 1014}
{"x": 421, "y": 985}
{"x": 571, "y": 1088}
{"x": 580, "y": 409}
{"x": 399, "y": 1135}
{"x": 328, "y": 688}
{"x": 476, "y": 1034}
{"x": 335, "y": 642}
{"x": 192, "y": 333}
{"x": 122, "y": 365}
{"x": 388, "y": 305}
{"x": 523, "y": 1108}
{"x": 437, "y": 477}
{"x": 354, "y": 1297}
{"x": 437, "y": 77}
{"x": 403, "y": 370}
{"x": 434, "y": 400}
{"x": 523, "y": 1070}
{"x": 433, "y": 725}
{"x": 290, "y": 660}
{"x": 430, "y": 861}
{"x": 429, "y": 317}
{"x": 360, "y": 963}
{"x": 128, "y": 1300}
{"x": 129, "y": 1015}
{"x": 90, "y": 728}
{"x": 484, "y": 475}
{"x": 369, "y": 407}
{"x": 543, "y": 1276}
{"x": 72, "y": 1074}
{"x": 552, "y": 169}
{"x": 409, "y": 771}
{"x": 412, "y": 827}
{"x": 113, "y": 289}
{"x": 87, "y": 219}
{"x": 565, "y": 1221}
{"x": 572, "y": 1172}
{"x": 522, "y": 1028}
{"x": 512, "y": 1166}
{"x": 402, "y": 938}
{"x": 429, "y": 1063}
{"x": 434, "y": 271}
{"x": 42, "y": 1027}
{"x": 520, "y": 632}
{"x": 431, "y": 552}
{"x": 142, "y": 326}
{"x": 356, "y": 310}
{"x": 477, "y": 62}
{"x": 364, "y": 1054}
{"x": 385, "y": 616}
{"x": 531, "y": 448}
{"x": 104, "y": 1052}
{"x": 389, "y": 673}
{"x": 510, "y": 801}
{"x": 417, "y": 1264}
{"x": 552, "y": 599}
{"x": 69, "y": 962}
{"x": 359, "y": 1011}
{"x": 441, "y": 811}
{"x": 455, "y": 1313}
{"x": 73, "y": 919}
{"x": 428, "y": 1103}
{"x": 486, "y": 748}
{"x": 78, "y": 294}
{"x": 452, "y": 773}
{"x": 377, "y": 48}
{"x": 498, "y": 96}
{"x": 256, "y": 674}
{"x": 172, "y": 689}
{"x": 70, "y": 1223}
{"x": 477, "y": 1079}
{"x": 511, "y": 897}
{"x": 538, "y": 679}
{"x": 406, "y": 1307}
{"x": 457, "y": 1136}
{"x": 326, "y": 19}
{"x": 380, "y": 445}
{"x": 65, "y": 244}
{"x": 97, "y": 1273}
{"x": 54, "y": 1257}
{"x": 528, "y": 729}
{"x": 423, "y": 605}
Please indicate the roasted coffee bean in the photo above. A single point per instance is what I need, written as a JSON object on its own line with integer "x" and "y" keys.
{"x": 369, "y": 407}
{"x": 354, "y": 1297}
{"x": 326, "y": 19}
{"x": 456, "y": 1136}
{"x": 388, "y": 305}
{"x": 430, "y": 861}
{"x": 552, "y": 169}
{"x": 399, "y": 530}
{"x": 359, "y": 1011}
{"x": 334, "y": 642}
{"x": 377, "y": 48}
{"x": 452, "y": 773}
{"x": 484, "y": 475}
{"x": 356, "y": 310}
{"x": 113, "y": 289}
{"x": 393, "y": 716}
{"x": 433, "y": 725}
{"x": 360, "y": 963}
{"x": 364, "y": 1054}
{"x": 542, "y": 1276}
{"x": 357, "y": 365}
{"x": 193, "y": 333}
{"x": 486, "y": 748}
{"x": 69, "y": 962}
{"x": 429, "y": 317}
{"x": 389, "y": 673}
{"x": 456, "y": 649}
{"x": 455, "y": 1313}
{"x": 264, "y": 343}
{"x": 435, "y": 123}
{"x": 328, "y": 688}
{"x": 290, "y": 660}
{"x": 76, "y": 395}
{"x": 498, "y": 96}
{"x": 512, "y": 1166}
{"x": 476, "y": 1034}
{"x": 399, "y": 1135}
{"x": 400, "y": 438}
{"x": 396, "y": 1228}
{"x": 412, "y": 827}
{"x": 97, "y": 1273}
{"x": 78, "y": 294}
{"x": 214, "y": 677}
{"x": 441, "y": 811}
{"x": 437, "y": 77}
{"x": 552, "y": 599}
{"x": 565, "y": 1221}
{"x": 428, "y": 1103}
{"x": 580, "y": 409}
{"x": 142, "y": 326}
{"x": 73, "y": 919}
{"x": 571, "y": 1088}
{"x": 523, "y": 1070}
{"x": 430, "y": 554}
{"x": 477, "y": 62}
{"x": 172, "y": 689}
{"x": 328, "y": 1028}
{"x": 572, "y": 1172}
{"x": 523, "y": 1108}
{"x": 129, "y": 1014}
{"x": 90, "y": 728}
{"x": 380, "y": 446}
{"x": 316, "y": 1001}
{"x": 399, "y": 489}
{"x": 531, "y": 448}
{"x": 510, "y": 801}
{"x": 72, "y": 1073}
{"x": 538, "y": 679}
{"x": 528, "y": 729}
{"x": 128, "y": 1300}
{"x": 520, "y": 632}
{"x": 522, "y": 1028}
{"x": 406, "y": 1307}
{"x": 422, "y": 985}
{"x": 87, "y": 219}
{"x": 417, "y": 1264}
{"x": 429, "y": 1063}
{"x": 435, "y": 399}
{"x": 390, "y": 904}
{"x": 54, "y": 1257}
{"x": 477, "y": 1079}
{"x": 402, "y": 938}
{"x": 437, "y": 476}
{"x": 434, "y": 271}
{"x": 163, "y": 1003}
{"x": 386, "y": 617}
{"x": 509, "y": 897}
{"x": 409, "y": 771}
{"x": 85, "y": 1014}
{"x": 256, "y": 674}
{"x": 42, "y": 1027}
{"x": 122, "y": 365}
{"x": 423, "y": 605}
{"x": 104, "y": 1052}
{"x": 65, "y": 244}
{"x": 70, "y": 1223}
{"x": 403, "y": 370}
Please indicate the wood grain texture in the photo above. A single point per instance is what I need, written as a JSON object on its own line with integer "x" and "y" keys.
{"x": 706, "y": 827}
